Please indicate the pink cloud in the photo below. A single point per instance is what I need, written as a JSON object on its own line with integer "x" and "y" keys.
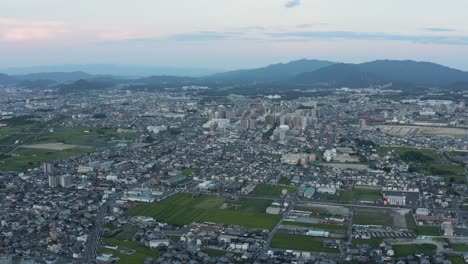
{"x": 21, "y": 30}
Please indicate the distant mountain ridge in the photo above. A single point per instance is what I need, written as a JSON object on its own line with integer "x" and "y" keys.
{"x": 273, "y": 72}
{"x": 300, "y": 73}
{"x": 383, "y": 71}
{"x": 54, "y": 76}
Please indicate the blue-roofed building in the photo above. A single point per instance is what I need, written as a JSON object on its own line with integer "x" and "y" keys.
{"x": 309, "y": 192}
{"x": 296, "y": 179}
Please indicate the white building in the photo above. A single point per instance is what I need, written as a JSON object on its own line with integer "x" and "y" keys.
{"x": 273, "y": 210}
{"x": 156, "y": 129}
{"x": 329, "y": 154}
{"x": 159, "y": 242}
{"x": 422, "y": 212}
{"x": 394, "y": 199}
{"x": 54, "y": 181}
{"x": 66, "y": 180}
{"x": 326, "y": 190}
{"x": 447, "y": 229}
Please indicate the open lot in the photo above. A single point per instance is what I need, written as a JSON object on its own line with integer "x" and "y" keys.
{"x": 427, "y": 161}
{"x": 459, "y": 247}
{"x": 124, "y": 240}
{"x": 422, "y": 130}
{"x": 50, "y": 146}
{"x": 346, "y": 166}
{"x": 457, "y": 260}
{"x": 411, "y": 249}
{"x": 360, "y": 195}
{"x": 272, "y": 190}
{"x": 428, "y": 231}
{"x": 324, "y": 210}
{"x": 183, "y": 209}
{"x": 339, "y": 229}
{"x": 384, "y": 217}
{"x": 299, "y": 242}
{"x": 25, "y": 159}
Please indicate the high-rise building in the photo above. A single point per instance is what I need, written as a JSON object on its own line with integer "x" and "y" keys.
{"x": 47, "y": 168}
{"x": 252, "y": 124}
{"x": 66, "y": 180}
{"x": 244, "y": 123}
{"x": 362, "y": 124}
{"x": 54, "y": 181}
{"x": 282, "y": 120}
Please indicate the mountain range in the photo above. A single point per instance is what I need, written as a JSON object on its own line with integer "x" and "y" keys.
{"x": 312, "y": 73}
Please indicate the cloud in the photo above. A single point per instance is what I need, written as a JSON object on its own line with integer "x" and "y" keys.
{"x": 202, "y": 36}
{"x": 303, "y": 35}
{"x": 312, "y": 25}
{"x": 336, "y": 35}
{"x": 21, "y": 30}
{"x": 293, "y": 3}
{"x": 440, "y": 29}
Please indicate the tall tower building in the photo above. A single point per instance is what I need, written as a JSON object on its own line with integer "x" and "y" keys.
{"x": 47, "y": 168}
{"x": 66, "y": 180}
{"x": 362, "y": 124}
{"x": 54, "y": 181}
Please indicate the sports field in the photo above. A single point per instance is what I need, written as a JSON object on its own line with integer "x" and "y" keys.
{"x": 299, "y": 242}
{"x": 183, "y": 209}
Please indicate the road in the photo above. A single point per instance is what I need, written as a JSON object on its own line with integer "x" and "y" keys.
{"x": 94, "y": 236}
{"x": 273, "y": 231}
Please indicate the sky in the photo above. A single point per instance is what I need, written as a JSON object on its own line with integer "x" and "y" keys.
{"x": 230, "y": 34}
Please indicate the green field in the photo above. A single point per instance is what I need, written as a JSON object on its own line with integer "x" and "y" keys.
{"x": 187, "y": 171}
{"x": 138, "y": 257}
{"x": 9, "y": 131}
{"x": 459, "y": 247}
{"x": 230, "y": 148}
{"x": 31, "y": 158}
{"x": 406, "y": 250}
{"x": 427, "y": 161}
{"x": 85, "y": 136}
{"x": 428, "y": 231}
{"x": 410, "y": 222}
{"x": 365, "y": 216}
{"x": 9, "y": 136}
{"x": 183, "y": 209}
{"x": 324, "y": 227}
{"x": 299, "y": 242}
{"x": 360, "y": 194}
{"x": 272, "y": 190}
{"x": 457, "y": 260}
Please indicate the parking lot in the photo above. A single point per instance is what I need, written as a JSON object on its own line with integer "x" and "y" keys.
{"x": 382, "y": 233}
